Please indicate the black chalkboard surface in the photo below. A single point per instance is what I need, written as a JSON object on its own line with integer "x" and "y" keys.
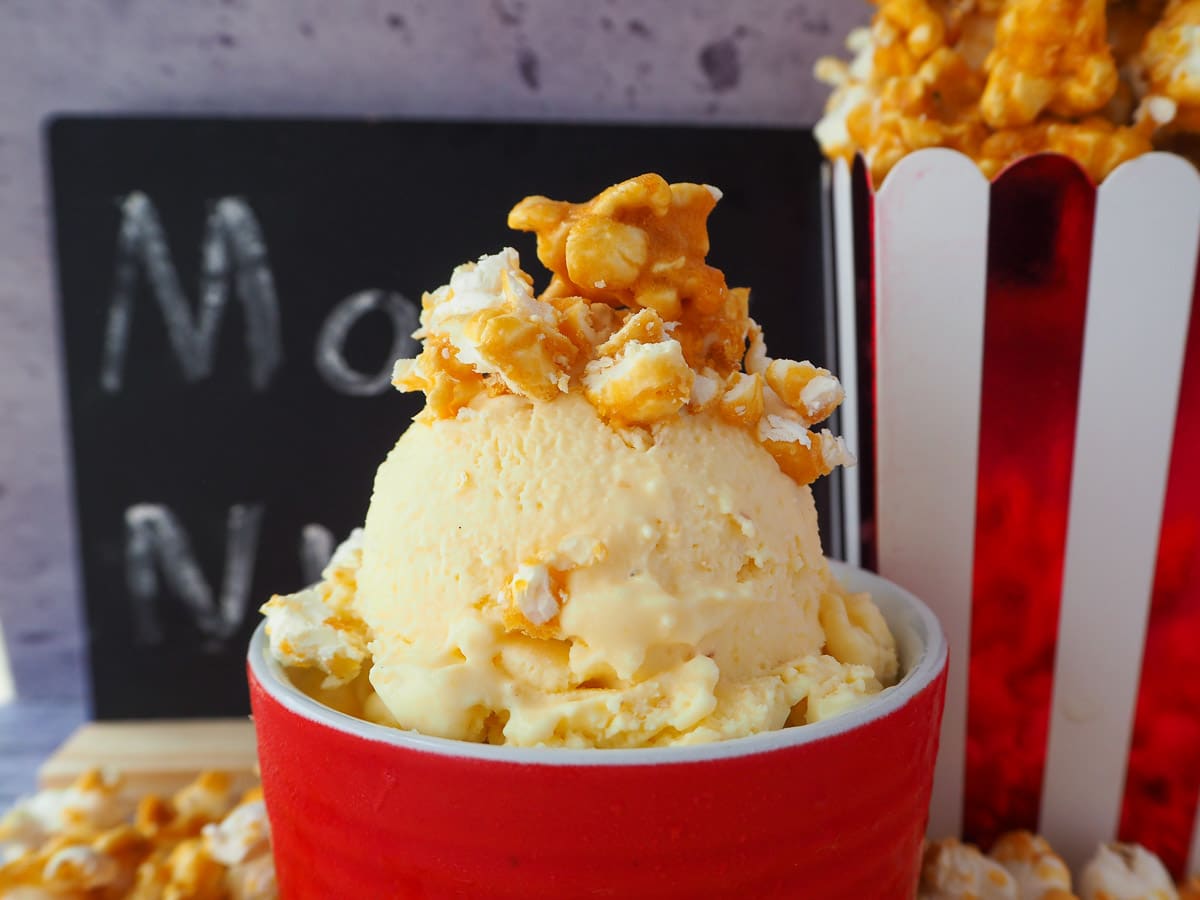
{"x": 233, "y": 293}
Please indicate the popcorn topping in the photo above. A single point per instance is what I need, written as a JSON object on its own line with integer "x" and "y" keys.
{"x": 633, "y": 318}
{"x": 533, "y": 594}
{"x": 315, "y": 627}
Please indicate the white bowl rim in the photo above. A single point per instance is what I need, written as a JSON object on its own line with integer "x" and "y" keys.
{"x": 931, "y": 660}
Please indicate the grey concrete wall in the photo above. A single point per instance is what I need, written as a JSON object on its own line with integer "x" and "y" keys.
{"x": 717, "y": 61}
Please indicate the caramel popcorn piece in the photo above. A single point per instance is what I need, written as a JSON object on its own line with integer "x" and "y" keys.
{"x": 804, "y": 457}
{"x": 1096, "y": 144}
{"x": 448, "y": 385}
{"x": 1170, "y": 64}
{"x": 743, "y": 400}
{"x": 952, "y": 871}
{"x": 1039, "y": 872}
{"x": 641, "y": 244}
{"x": 811, "y": 392}
{"x": 639, "y": 375}
{"x": 1190, "y": 889}
{"x": 1049, "y": 55}
{"x": 485, "y": 324}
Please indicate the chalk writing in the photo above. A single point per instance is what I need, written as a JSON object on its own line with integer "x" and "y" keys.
{"x": 156, "y": 544}
{"x": 232, "y": 250}
{"x": 330, "y": 358}
{"x": 316, "y": 549}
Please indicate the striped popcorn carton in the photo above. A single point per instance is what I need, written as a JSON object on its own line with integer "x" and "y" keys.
{"x": 1022, "y": 362}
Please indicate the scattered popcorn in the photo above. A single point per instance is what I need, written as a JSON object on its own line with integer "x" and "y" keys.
{"x": 186, "y": 847}
{"x": 1040, "y": 874}
{"x": 952, "y": 871}
{"x": 80, "y": 868}
{"x": 241, "y": 835}
{"x": 1125, "y": 872}
{"x": 91, "y": 804}
{"x": 186, "y": 851}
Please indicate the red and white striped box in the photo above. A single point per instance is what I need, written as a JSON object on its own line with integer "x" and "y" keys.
{"x": 1025, "y": 357}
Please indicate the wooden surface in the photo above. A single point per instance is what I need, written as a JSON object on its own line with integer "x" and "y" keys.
{"x": 156, "y": 757}
{"x": 47, "y": 743}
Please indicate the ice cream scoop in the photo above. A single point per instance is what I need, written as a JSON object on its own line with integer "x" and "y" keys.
{"x": 599, "y": 531}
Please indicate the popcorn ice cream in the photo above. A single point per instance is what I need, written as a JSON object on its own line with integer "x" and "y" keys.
{"x": 599, "y": 531}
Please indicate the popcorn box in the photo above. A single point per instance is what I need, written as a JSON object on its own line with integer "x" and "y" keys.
{"x": 1022, "y": 367}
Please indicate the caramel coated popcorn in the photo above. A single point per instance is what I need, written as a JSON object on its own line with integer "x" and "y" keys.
{"x": 1101, "y": 82}
{"x": 83, "y": 843}
{"x": 633, "y": 318}
{"x": 201, "y": 844}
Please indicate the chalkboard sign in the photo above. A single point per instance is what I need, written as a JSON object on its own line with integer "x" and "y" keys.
{"x": 233, "y": 294}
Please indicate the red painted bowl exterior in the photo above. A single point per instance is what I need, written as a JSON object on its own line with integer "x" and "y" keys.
{"x": 832, "y": 810}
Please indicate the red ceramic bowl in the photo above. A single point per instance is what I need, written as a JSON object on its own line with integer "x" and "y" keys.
{"x": 831, "y": 810}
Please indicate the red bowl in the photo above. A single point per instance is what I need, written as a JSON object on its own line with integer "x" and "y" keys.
{"x": 836, "y": 809}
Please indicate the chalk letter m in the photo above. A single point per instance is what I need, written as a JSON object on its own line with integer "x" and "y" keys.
{"x": 232, "y": 249}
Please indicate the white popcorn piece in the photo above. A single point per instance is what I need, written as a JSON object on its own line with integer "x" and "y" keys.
{"x": 303, "y": 631}
{"x": 533, "y": 593}
{"x": 241, "y": 835}
{"x": 1033, "y": 864}
{"x": 705, "y": 389}
{"x": 253, "y": 879}
{"x": 953, "y": 871}
{"x": 91, "y": 804}
{"x": 1125, "y": 872}
{"x": 820, "y": 393}
{"x": 1161, "y": 109}
{"x": 406, "y": 375}
{"x": 834, "y": 450}
{"x": 779, "y": 428}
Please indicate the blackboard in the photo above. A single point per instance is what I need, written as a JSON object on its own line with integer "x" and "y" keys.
{"x": 232, "y": 294}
